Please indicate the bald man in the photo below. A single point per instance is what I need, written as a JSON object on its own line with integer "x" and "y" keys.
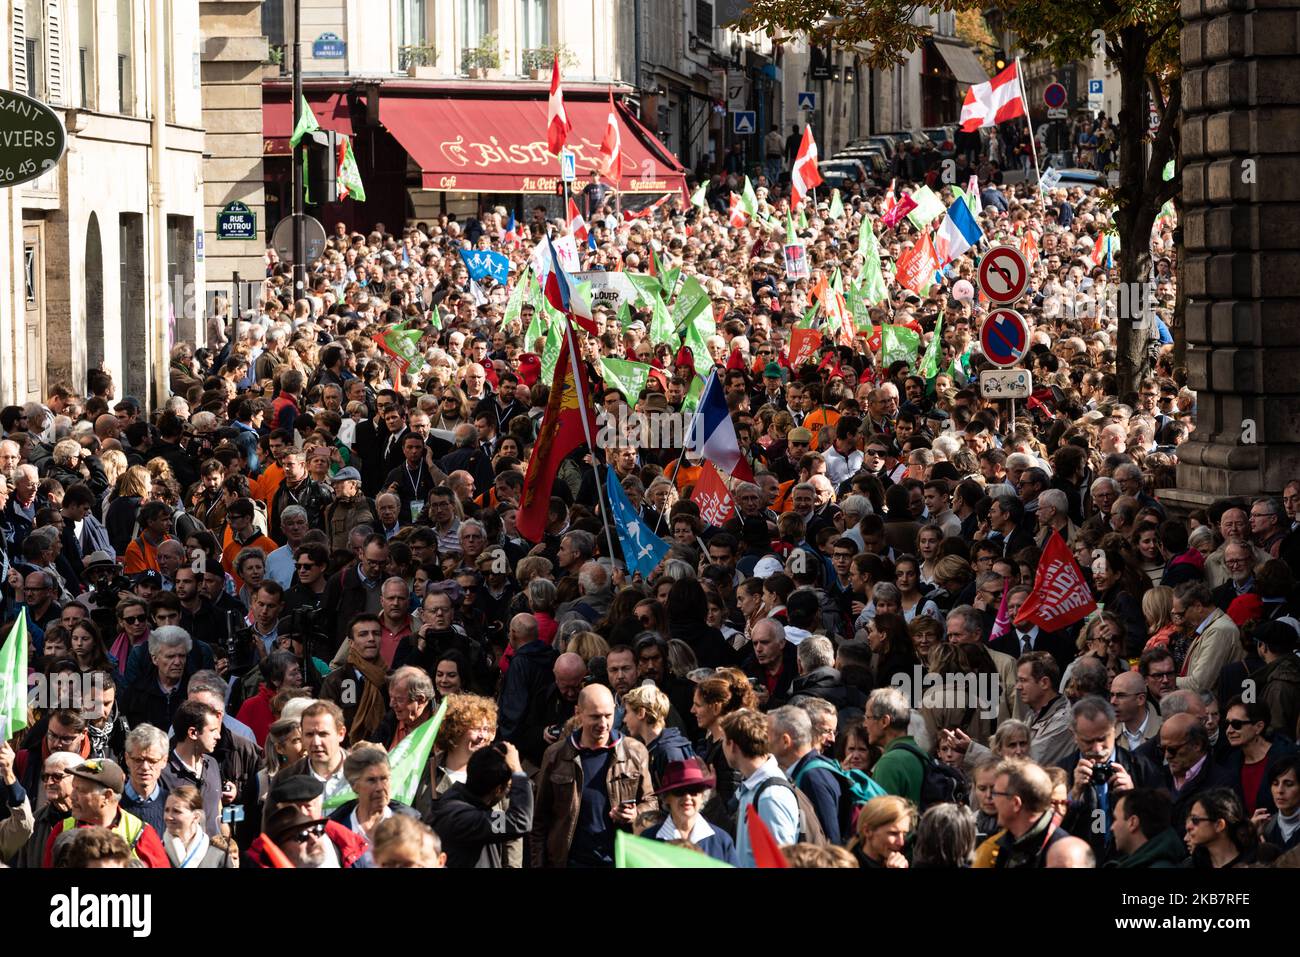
{"x": 1136, "y": 718}
{"x": 1071, "y": 852}
{"x": 592, "y": 783}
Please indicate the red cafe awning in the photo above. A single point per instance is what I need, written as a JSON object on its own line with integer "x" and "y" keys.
{"x": 330, "y": 108}
{"x": 495, "y": 141}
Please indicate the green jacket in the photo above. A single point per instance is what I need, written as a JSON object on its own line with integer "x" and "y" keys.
{"x": 1166, "y": 849}
{"x": 899, "y": 771}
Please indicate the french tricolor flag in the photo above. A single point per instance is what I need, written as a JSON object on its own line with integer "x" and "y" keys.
{"x": 511, "y": 234}
{"x": 559, "y": 287}
{"x": 712, "y": 435}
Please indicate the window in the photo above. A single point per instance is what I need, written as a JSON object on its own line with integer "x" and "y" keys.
{"x": 169, "y": 67}
{"x": 125, "y": 65}
{"x": 411, "y": 22}
{"x": 704, "y": 21}
{"x": 534, "y": 28}
{"x": 33, "y": 67}
{"x": 273, "y": 22}
{"x": 86, "y": 59}
{"x": 473, "y": 16}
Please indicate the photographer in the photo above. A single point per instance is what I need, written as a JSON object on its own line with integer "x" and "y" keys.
{"x": 1098, "y": 772}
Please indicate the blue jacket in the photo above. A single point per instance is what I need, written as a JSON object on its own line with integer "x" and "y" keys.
{"x": 823, "y": 789}
{"x": 671, "y": 745}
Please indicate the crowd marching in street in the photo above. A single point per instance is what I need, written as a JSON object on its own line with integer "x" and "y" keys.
{"x": 679, "y": 537}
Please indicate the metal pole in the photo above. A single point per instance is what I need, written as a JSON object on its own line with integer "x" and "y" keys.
{"x": 1033, "y": 146}
{"x": 235, "y": 304}
{"x": 576, "y": 363}
{"x": 299, "y": 237}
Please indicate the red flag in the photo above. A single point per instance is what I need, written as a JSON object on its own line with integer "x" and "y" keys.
{"x": 558, "y": 126}
{"x": 804, "y": 344}
{"x": 898, "y": 211}
{"x": 610, "y": 158}
{"x": 917, "y": 266}
{"x": 804, "y": 174}
{"x": 562, "y": 431}
{"x": 767, "y": 853}
{"x": 577, "y": 225}
{"x": 736, "y": 217}
{"x": 1061, "y": 596}
{"x": 712, "y": 497}
{"x": 274, "y": 854}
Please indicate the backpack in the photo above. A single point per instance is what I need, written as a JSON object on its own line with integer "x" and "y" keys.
{"x": 810, "y": 828}
{"x": 940, "y": 784}
{"x": 856, "y": 786}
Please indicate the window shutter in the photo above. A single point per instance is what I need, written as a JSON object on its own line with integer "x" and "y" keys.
{"x": 54, "y": 51}
{"x": 20, "y": 47}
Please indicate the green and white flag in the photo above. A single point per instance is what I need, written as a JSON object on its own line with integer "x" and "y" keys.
{"x": 809, "y": 319}
{"x": 647, "y": 287}
{"x": 859, "y": 310}
{"x": 13, "y": 679}
{"x": 930, "y": 363}
{"x": 516, "y": 301}
{"x": 349, "y": 177}
{"x": 898, "y": 342}
{"x": 406, "y": 763}
{"x": 633, "y": 851}
{"x": 551, "y": 351}
{"x": 700, "y": 357}
{"x": 692, "y": 400}
{"x": 692, "y": 301}
{"x": 928, "y": 207}
{"x": 306, "y": 124}
{"x": 661, "y": 324}
{"x": 404, "y": 343}
{"x": 837, "y": 206}
{"x": 871, "y": 282}
{"x": 749, "y": 199}
{"x": 697, "y": 198}
{"x": 626, "y": 376}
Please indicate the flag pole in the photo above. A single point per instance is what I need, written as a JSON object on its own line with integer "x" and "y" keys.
{"x": 591, "y": 442}
{"x": 1033, "y": 145}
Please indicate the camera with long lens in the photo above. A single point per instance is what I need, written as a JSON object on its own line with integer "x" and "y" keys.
{"x": 237, "y": 644}
{"x": 310, "y": 626}
{"x": 103, "y": 598}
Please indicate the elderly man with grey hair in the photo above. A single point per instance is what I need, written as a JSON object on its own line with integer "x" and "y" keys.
{"x": 52, "y": 804}
{"x": 595, "y": 594}
{"x": 157, "y": 692}
{"x": 901, "y": 767}
{"x": 790, "y": 737}
{"x": 819, "y": 678}
{"x": 1053, "y": 513}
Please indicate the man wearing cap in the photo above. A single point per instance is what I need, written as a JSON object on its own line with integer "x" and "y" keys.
{"x": 348, "y": 510}
{"x": 308, "y": 841}
{"x": 96, "y": 795}
{"x": 787, "y": 467}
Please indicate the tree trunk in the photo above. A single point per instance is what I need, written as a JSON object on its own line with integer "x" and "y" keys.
{"x": 1133, "y": 215}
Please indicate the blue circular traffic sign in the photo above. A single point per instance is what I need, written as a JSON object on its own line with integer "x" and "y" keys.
{"x": 1004, "y": 337}
{"x": 1054, "y": 96}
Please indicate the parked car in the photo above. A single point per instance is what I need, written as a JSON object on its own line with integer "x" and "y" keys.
{"x": 839, "y": 172}
{"x": 944, "y": 138}
{"x": 1087, "y": 179}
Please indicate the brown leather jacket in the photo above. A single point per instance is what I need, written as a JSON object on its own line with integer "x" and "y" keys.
{"x": 559, "y": 794}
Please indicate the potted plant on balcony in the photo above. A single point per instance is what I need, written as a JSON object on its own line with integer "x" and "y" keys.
{"x": 418, "y": 61}
{"x": 538, "y": 62}
{"x": 273, "y": 68}
{"x": 484, "y": 60}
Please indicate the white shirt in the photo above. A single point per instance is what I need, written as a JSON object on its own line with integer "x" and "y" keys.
{"x": 700, "y": 830}
{"x": 367, "y": 859}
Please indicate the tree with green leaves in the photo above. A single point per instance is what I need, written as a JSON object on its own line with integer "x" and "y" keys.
{"x": 1138, "y": 37}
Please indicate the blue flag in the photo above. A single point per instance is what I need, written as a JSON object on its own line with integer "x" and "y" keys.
{"x": 642, "y": 549}
{"x": 483, "y": 262}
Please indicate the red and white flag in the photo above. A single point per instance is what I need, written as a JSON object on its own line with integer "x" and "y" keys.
{"x": 994, "y": 102}
{"x": 890, "y": 199}
{"x": 558, "y": 126}
{"x": 577, "y": 225}
{"x": 736, "y": 217}
{"x": 1061, "y": 595}
{"x": 610, "y": 159}
{"x": 712, "y": 497}
{"x": 804, "y": 174}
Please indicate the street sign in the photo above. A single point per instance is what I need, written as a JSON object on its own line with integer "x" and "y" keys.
{"x": 1006, "y": 384}
{"x": 1050, "y": 178}
{"x": 743, "y": 122}
{"x": 313, "y": 239}
{"x": 237, "y": 221}
{"x": 200, "y": 246}
{"x": 32, "y": 138}
{"x": 1054, "y": 96}
{"x": 568, "y": 165}
{"x": 1058, "y": 114}
{"x": 1003, "y": 274}
{"x": 1004, "y": 337}
{"x": 329, "y": 46}
{"x": 807, "y": 100}
{"x": 1095, "y": 87}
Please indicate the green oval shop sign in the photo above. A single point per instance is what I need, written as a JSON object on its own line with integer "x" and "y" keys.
{"x": 32, "y": 138}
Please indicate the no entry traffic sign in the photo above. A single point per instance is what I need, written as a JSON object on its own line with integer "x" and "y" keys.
{"x": 1004, "y": 337}
{"x": 1054, "y": 96}
{"x": 1003, "y": 275}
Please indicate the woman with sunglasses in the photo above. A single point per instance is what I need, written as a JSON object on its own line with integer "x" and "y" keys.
{"x": 685, "y": 789}
{"x": 133, "y": 620}
{"x": 1218, "y": 834}
{"x": 1251, "y": 753}
{"x": 452, "y": 410}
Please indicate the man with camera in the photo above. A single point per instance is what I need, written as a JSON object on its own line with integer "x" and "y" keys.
{"x": 1098, "y": 772}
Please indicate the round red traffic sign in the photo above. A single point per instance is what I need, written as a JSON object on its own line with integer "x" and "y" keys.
{"x": 1004, "y": 337}
{"x": 1003, "y": 275}
{"x": 1054, "y": 96}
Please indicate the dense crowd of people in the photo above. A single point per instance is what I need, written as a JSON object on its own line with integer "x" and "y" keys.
{"x": 239, "y": 606}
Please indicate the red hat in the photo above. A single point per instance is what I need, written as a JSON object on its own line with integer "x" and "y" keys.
{"x": 530, "y": 368}
{"x": 736, "y": 360}
{"x": 1246, "y": 608}
{"x": 683, "y": 775}
{"x": 684, "y": 358}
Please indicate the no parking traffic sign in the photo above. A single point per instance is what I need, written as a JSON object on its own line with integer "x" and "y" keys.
{"x": 1003, "y": 275}
{"x": 1004, "y": 337}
